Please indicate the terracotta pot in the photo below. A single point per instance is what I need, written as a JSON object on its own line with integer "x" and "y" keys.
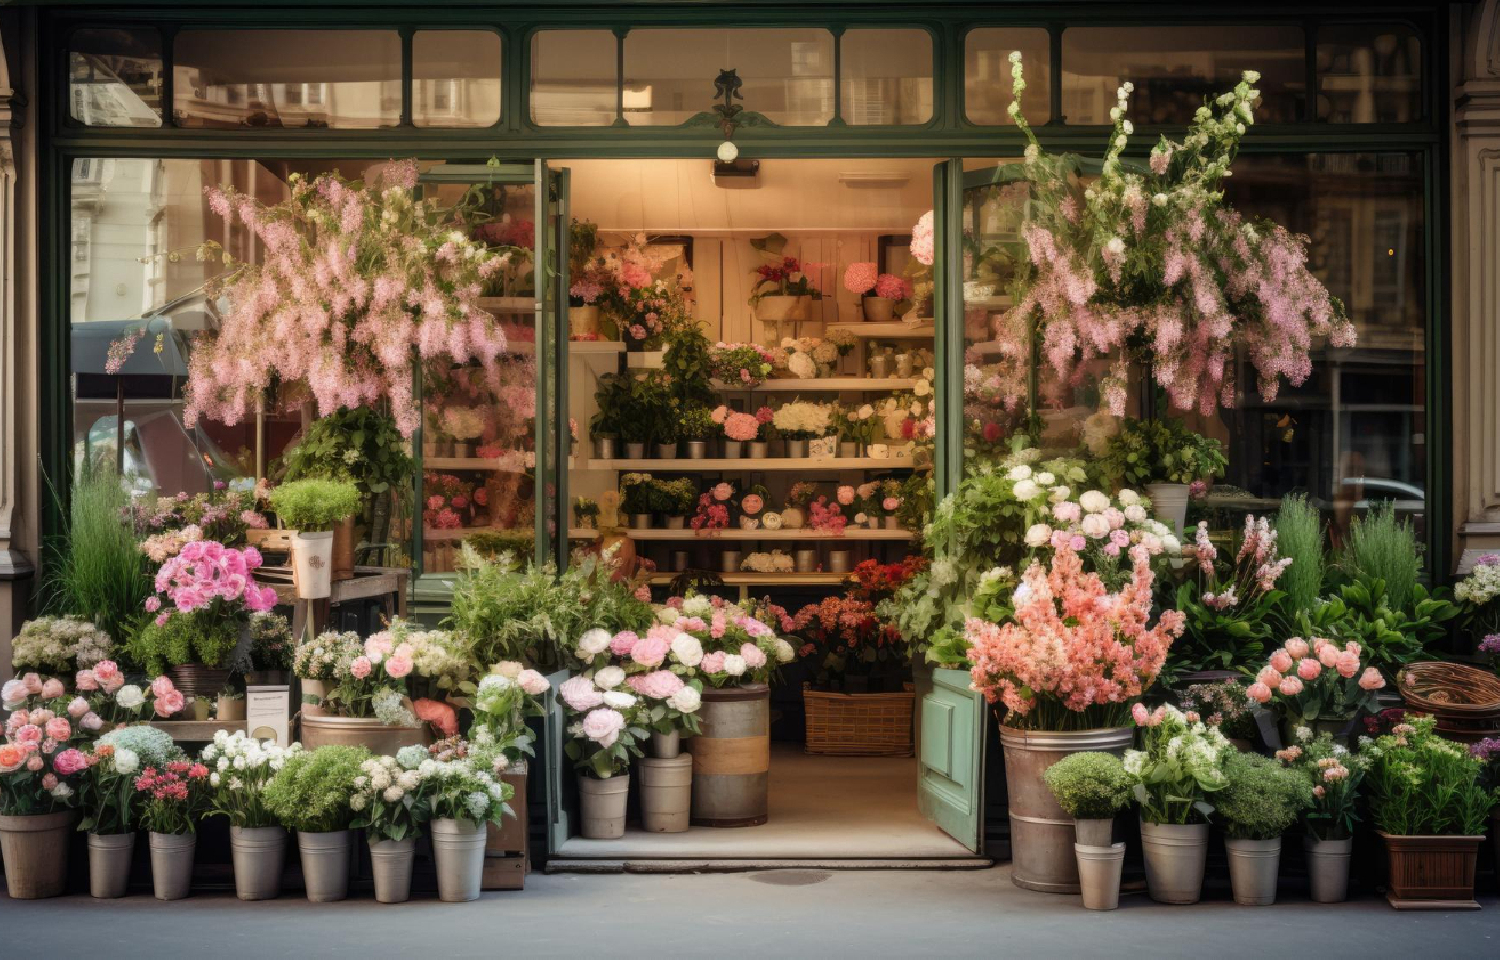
{"x": 360, "y": 731}
{"x": 35, "y": 852}
{"x": 1424, "y": 869}
{"x": 343, "y": 550}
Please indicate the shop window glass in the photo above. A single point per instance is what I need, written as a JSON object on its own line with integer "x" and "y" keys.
{"x": 574, "y": 82}
{"x": 1175, "y": 68}
{"x": 115, "y": 77}
{"x": 786, "y": 75}
{"x": 1369, "y": 73}
{"x": 455, "y": 78}
{"x": 347, "y": 79}
{"x": 885, "y": 77}
{"x": 987, "y": 79}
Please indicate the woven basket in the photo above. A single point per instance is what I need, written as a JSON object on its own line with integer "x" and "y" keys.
{"x": 1465, "y": 700}
{"x": 858, "y": 724}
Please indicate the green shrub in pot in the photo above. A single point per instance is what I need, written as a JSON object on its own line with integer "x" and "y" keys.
{"x": 314, "y": 505}
{"x": 311, "y": 791}
{"x": 1089, "y": 786}
{"x": 1262, "y": 798}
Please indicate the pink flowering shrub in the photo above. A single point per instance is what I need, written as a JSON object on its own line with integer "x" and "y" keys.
{"x": 353, "y": 281}
{"x": 892, "y": 287}
{"x": 742, "y": 427}
{"x": 860, "y": 278}
{"x": 1304, "y": 681}
{"x": 39, "y": 759}
{"x": 1075, "y": 655}
{"x": 1157, "y": 258}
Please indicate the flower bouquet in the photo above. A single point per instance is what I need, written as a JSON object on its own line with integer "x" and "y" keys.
{"x": 856, "y": 428}
{"x": 1335, "y": 774}
{"x": 740, "y": 364}
{"x": 781, "y": 290}
{"x": 1320, "y": 685}
{"x": 501, "y": 702}
{"x": 240, "y": 766}
{"x": 738, "y": 648}
{"x": 712, "y": 514}
{"x": 880, "y": 291}
{"x": 850, "y": 649}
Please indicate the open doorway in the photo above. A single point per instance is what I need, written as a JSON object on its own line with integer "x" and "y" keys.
{"x": 811, "y": 264}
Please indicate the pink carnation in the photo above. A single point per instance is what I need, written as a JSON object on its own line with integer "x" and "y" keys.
{"x": 172, "y": 703}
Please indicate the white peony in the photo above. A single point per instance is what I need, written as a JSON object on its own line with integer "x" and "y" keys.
{"x": 1019, "y": 472}
{"x": 1095, "y": 526}
{"x": 594, "y": 642}
{"x": 609, "y": 677}
{"x": 1093, "y": 501}
{"x": 1128, "y": 498}
{"x": 1026, "y": 490}
{"x": 126, "y": 761}
{"x": 1038, "y": 535}
{"x": 685, "y": 700}
{"x": 1135, "y": 513}
{"x": 687, "y": 650}
{"x": 697, "y": 606}
{"x": 619, "y": 700}
{"x": 734, "y": 665}
{"x": 785, "y": 652}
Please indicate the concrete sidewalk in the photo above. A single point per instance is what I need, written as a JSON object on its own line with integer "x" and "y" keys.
{"x": 776, "y": 914}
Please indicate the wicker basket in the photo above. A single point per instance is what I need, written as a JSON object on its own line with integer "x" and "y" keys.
{"x": 858, "y": 724}
{"x": 1465, "y": 700}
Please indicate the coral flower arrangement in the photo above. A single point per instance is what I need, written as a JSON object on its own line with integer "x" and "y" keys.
{"x": 1076, "y": 655}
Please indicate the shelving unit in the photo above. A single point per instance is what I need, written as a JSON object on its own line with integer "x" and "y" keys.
{"x": 804, "y": 465}
{"x": 783, "y": 535}
{"x": 893, "y": 330}
{"x": 819, "y": 579}
{"x": 822, "y": 385}
{"x": 458, "y": 533}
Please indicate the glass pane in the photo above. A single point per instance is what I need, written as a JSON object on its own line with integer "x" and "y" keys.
{"x": 786, "y": 76}
{"x": 1370, "y": 73}
{"x": 886, "y": 77}
{"x": 455, "y": 78}
{"x": 987, "y": 80}
{"x": 287, "y": 78}
{"x": 1355, "y": 432}
{"x": 574, "y": 82}
{"x": 115, "y": 77}
{"x": 1175, "y": 68}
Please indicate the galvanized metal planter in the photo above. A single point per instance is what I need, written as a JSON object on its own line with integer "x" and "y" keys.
{"x": 259, "y": 857}
{"x": 458, "y": 852}
{"x": 172, "y": 864}
{"x": 110, "y": 856}
{"x": 390, "y": 867}
{"x": 732, "y": 757}
{"x": 1176, "y": 854}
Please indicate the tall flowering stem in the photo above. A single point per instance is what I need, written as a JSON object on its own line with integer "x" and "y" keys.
{"x": 1156, "y": 261}
{"x": 355, "y": 280}
{"x": 1075, "y": 656}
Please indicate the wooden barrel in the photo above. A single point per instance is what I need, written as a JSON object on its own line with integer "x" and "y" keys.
{"x": 361, "y": 732}
{"x": 732, "y": 757}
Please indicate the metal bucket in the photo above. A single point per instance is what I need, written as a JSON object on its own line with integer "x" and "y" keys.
{"x": 369, "y": 732}
{"x": 1041, "y": 832}
{"x": 732, "y": 757}
{"x": 325, "y": 864}
{"x": 390, "y": 868}
{"x": 666, "y": 746}
{"x": 1175, "y": 857}
{"x": 109, "y": 864}
{"x": 172, "y": 864}
{"x": 602, "y": 804}
{"x": 1253, "y": 868}
{"x": 666, "y": 793}
{"x": 259, "y": 855}
{"x": 1099, "y": 874}
{"x": 458, "y": 853}
{"x": 1328, "y": 868}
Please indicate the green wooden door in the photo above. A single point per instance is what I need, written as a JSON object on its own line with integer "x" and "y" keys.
{"x": 950, "y": 757}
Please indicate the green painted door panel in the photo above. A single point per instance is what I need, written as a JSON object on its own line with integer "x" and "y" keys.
{"x": 950, "y": 755}
{"x": 556, "y": 769}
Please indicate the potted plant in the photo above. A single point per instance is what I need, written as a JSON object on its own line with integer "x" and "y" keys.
{"x": 1259, "y": 801}
{"x": 241, "y": 766}
{"x": 697, "y": 428}
{"x": 1334, "y": 773}
{"x": 463, "y": 798}
{"x": 173, "y": 796}
{"x": 311, "y": 794}
{"x": 368, "y": 692}
{"x": 610, "y": 400}
{"x": 1430, "y": 806}
{"x": 586, "y": 512}
{"x": 781, "y": 291}
{"x": 739, "y": 429}
{"x": 38, "y": 788}
{"x": 856, "y": 428}
{"x": 503, "y": 700}
{"x": 112, "y": 807}
{"x": 364, "y": 446}
{"x": 311, "y": 509}
{"x": 798, "y": 422}
{"x": 1165, "y": 458}
{"x": 742, "y": 365}
{"x": 606, "y": 725}
{"x": 388, "y": 805}
{"x": 1487, "y": 752}
{"x": 669, "y": 709}
{"x": 59, "y": 645}
{"x": 1179, "y": 768}
{"x": 1059, "y": 705}
{"x": 637, "y": 499}
{"x": 673, "y": 499}
{"x": 589, "y": 289}
{"x": 1320, "y": 685}
{"x": 879, "y": 291}
{"x": 1223, "y": 704}
{"x": 1231, "y": 607}
{"x": 271, "y": 649}
{"x": 1093, "y": 788}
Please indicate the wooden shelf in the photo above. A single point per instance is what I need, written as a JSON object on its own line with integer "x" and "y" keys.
{"x": 196, "y": 731}
{"x": 893, "y": 330}
{"x": 746, "y": 579}
{"x": 803, "y": 464}
{"x": 472, "y": 463}
{"x": 821, "y": 385}
{"x": 433, "y": 535}
{"x": 736, "y": 534}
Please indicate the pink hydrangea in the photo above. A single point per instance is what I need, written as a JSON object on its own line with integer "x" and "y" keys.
{"x": 922, "y": 248}
{"x": 860, "y": 278}
{"x": 892, "y": 287}
{"x": 742, "y": 427}
{"x": 657, "y": 685}
{"x": 754, "y": 656}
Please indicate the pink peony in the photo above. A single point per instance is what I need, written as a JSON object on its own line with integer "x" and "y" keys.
{"x": 651, "y": 650}
{"x": 69, "y": 762}
{"x": 27, "y": 733}
{"x": 623, "y": 643}
{"x": 533, "y": 683}
{"x": 172, "y": 703}
{"x": 53, "y": 688}
{"x": 360, "y": 667}
{"x": 1297, "y": 647}
{"x": 712, "y": 662}
{"x": 58, "y": 728}
{"x": 657, "y": 685}
{"x": 1281, "y": 661}
{"x": 846, "y": 495}
{"x": 85, "y": 681}
{"x": 579, "y": 694}
{"x": 603, "y": 726}
{"x": 161, "y": 686}
{"x": 1371, "y": 679}
{"x": 77, "y": 707}
{"x": 722, "y": 491}
{"x": 399, "y": 665}
{"x": 1291, "y": 686}
{"x": 1348, "y": 664}
{"x": 32, "y": 683}
{"x": 91, "y": 721}
{"x": 754, "y": 656}
{"x": 1259, "y": 692}
{"x": 1308, "y": 669}
{"x": 1328, "y": 655}
{"x": 1269, "y": 676}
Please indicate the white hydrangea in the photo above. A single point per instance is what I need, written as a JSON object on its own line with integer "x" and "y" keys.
{"x": 609, "y": 677}
{"x": 594, "y": 642}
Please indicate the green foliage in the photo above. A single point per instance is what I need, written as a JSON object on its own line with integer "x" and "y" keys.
{"x": 361, "y": 446}
{"x": 1262, "y": 798}
{"x": 311, "y": 506}
{"x": 675, "y": 498}
{"x": 1392, "y": 637}
{"x": 1421, "y": 784}
{"x": 636, "y": 493}
{"x": 1161, "y": 451}
{"x": 1222, "y": 639}
{"x": 687, "y": 362}
{"x": 1382, "y": 547}
{"x": 637, "y": 408}
{"x": 97, "y": 570}
{"x": 1299, "y": 535}
{"x": 197, "y": 638}
{"x": 310, "y": 793}
{"x": 1089, "y": 786}
{"x": 697, "y": 423}
{"x": 583, "y": 237}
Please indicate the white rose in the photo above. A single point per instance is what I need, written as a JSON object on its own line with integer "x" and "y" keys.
{"x": 734, "y": 665}
{"x": 1021, "y": 472}
{"x": 1038, "y": 535}
{"x": 686, "y": 700}
{"x": 609, "y": 677}
{"x": 772, "y": 521}
{"x": 1026, "y": 490}
{"x": 1093, "y": 501}
{"x": 129, "y": 696}
{"x": 594, "y": 642}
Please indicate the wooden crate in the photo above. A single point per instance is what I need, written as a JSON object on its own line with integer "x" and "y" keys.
{"x": 506, "y": 859}
{"x": 859, "y": 724}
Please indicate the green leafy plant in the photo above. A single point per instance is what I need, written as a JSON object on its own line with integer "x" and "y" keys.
{"x": 1231, "y": 607}
{"x": 311, "y": 791}
{"x": 697, "y": 423}
{"x": 1299, "y": 535}
{"x": 1382, "y": 547}
{"x": 1392, "y": 637}
{"x": 1180, "y": 766}
{"x": 1421, "y": 784}
{"x": 687, "y": 363}
{"x": 1161, "y": 451}
{"x": 185, "y": 638}
{"x": 97, "y": 570}
{"x": 1261, "y": 799}
{"x": 1089, "y": 786}
{"x": 636, "y": 493}
{"x": 675, "y": 498}
{"x": 361, "y": 446}
{"x": 310, "y": 506}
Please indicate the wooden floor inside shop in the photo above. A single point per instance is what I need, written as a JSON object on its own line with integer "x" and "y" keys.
{"x": 821, "y": 808}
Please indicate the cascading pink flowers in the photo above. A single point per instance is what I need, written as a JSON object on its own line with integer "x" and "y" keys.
{"x": 206, "y": 571}
{"x": 354, "y": 280}
{"x": 1073, "y": 645}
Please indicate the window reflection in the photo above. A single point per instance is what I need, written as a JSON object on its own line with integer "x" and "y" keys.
{"x": 115, "y": 77}
{"x": 786, "y": 75}
{"x": 886, "y": 77}
{"x": 455, "y": 78}
{"x": 987, "y": 80}
{"x": 1369, "y": 73}
{"x": 574, "y": 81}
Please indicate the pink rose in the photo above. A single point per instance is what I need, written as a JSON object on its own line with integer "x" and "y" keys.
{"x": 360, "y": 667}
{"x": 723, "y": 491}
{"x": 1309, "y": 669}
{"x": 1291, "y": 686}
{"x": 77, "y": 707}
{"x": 49, "y": 780}
{"x": 58, "y": 728}
{"x": 69, "y": 762}
{"x": 1371, "y": 679}
{"x": 398, "y": 666}
{"x": 1281, "y": 661}
{"x": 161, "y": 686}
{"x": 651, "y": 650}
{"x": 34, "y": 762}
{"x": 28, "y": 733}
{"x": 1297, "y": 647}
{"x": 1348, "y": 664}
{"x": 173, "y": 702}
{"x": 752, "y": 504}
{"x": 891, "y": 503}
{"x": 53, "y": 688}
{"x": 603, "y": 726}
{"x": 85, "y": 681}
{"x": 105, "y": 671}
{"x": 1259, "y": 692}
{"x": 754, "y": 656}
{"x": 846, "y": 495}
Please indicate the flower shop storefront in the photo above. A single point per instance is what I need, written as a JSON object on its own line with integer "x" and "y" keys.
{"x": 710, "y": 312}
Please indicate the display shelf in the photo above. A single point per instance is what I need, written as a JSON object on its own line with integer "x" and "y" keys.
{"x": 893, "y": 330}
{"x": 803, "y": 464}
{"x": 196, "y": 731}
{"x": 784, "y": 535}
{"x": 746, "y": 579}
{"x": 821, "y": 385}
{"x": 472, "y": 463}
{"x": 433, "y": 534}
